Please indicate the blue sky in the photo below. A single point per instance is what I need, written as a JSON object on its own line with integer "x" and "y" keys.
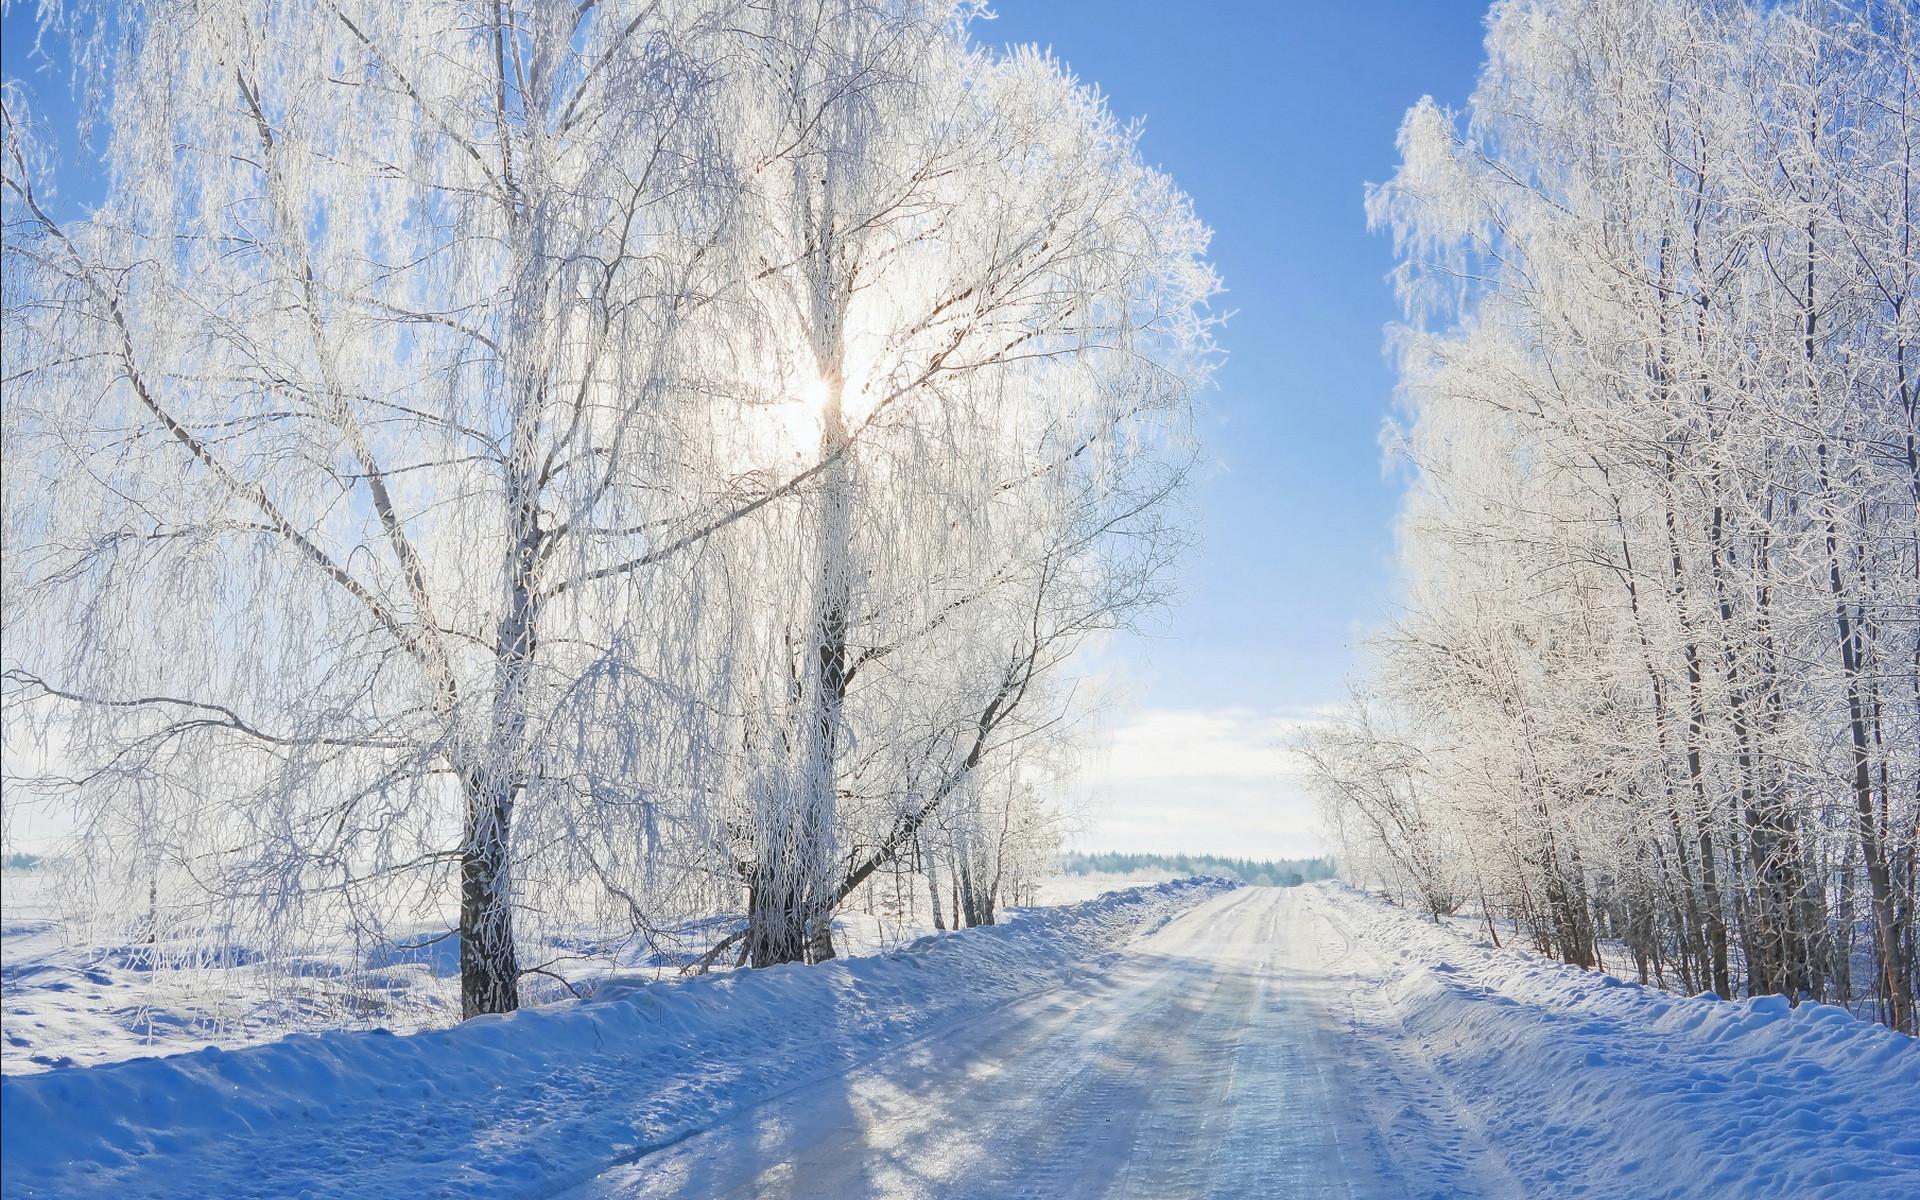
{"x": 1273, "y": 116}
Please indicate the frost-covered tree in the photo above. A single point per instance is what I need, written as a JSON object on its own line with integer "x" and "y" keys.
{"x": 562, "y": 455}
{"x": 1660, "y": 651}
{"x": 331, "y": 427}
{"x": 989, "y": 310}
{"x": 1373, "y": 791}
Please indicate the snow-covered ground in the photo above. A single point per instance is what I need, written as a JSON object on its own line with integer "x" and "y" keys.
{"x": 76, "y": 997}
{"x": 1178, "y": 1040}
{"x": 1582, "y": 1084}
{"x": 542, "y": 1099}
{"x": 1072, "y": 889}
{"x": 73, "y": 996}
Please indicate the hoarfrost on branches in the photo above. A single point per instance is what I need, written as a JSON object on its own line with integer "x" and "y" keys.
{"x": 592, "y": 466}
{"x": 1657, "y": 684}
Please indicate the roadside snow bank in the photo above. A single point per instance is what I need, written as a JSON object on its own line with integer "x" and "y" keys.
{"x": 1594, "y": 1086}
{"x": 539, "y": 1099}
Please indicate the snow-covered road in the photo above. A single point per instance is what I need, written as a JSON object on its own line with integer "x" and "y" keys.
{"x": 1257, "y": 1046}
{"x": 1180, "y": 1040}
{"x": 1206, "y": 1063}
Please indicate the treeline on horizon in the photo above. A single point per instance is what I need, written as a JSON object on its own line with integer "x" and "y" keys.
{"x": 1262, "y": 872}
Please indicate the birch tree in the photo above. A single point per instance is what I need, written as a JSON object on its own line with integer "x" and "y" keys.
{"x": 991, "y": 312}
{"x": 582, "y": 461}
{"x": 1660, "y": 640}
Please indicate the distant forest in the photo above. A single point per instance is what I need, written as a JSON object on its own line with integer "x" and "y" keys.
{"x": 1281, "y": 872}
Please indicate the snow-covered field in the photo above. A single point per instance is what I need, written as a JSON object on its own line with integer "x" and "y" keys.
{"x": 1179, "y": 1039}
{"x": 72, "y": 998}
{"x": 76, "y": 997}
{"x": 1073, "y": 889}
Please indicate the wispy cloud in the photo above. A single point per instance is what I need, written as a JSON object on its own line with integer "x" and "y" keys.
{"x": 1204, "y": 780}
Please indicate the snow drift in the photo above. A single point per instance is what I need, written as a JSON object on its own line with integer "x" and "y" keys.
{"x": 538, "y": 1099}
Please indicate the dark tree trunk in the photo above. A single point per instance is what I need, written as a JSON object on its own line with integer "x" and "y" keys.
{"x": 489, "y": 963}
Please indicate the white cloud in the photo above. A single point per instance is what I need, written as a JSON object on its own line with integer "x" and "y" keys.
{"x": 1217, "y": 781}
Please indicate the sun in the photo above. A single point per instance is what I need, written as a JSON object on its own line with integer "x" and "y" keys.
{"x": 814, "y": 395}
{"x": 808, "y": 402}
{"x": 797, "y": 418}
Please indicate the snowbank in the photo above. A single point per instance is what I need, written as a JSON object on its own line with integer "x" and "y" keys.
{"x": 537, "y": 1100}
{"x": 1593, "y": 1085}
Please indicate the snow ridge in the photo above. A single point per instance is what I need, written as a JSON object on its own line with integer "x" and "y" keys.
{"x": 540, "y": 1099}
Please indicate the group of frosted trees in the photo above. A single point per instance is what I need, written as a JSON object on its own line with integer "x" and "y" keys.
{"x": 1657, "y": 683}
{"x": 589, "y": 465}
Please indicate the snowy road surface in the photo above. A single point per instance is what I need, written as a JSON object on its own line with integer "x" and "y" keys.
{"x": 1173, "y": 1041}
{"x": 1257, "y": 1046}
{"x": 1210, "y": 1061}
